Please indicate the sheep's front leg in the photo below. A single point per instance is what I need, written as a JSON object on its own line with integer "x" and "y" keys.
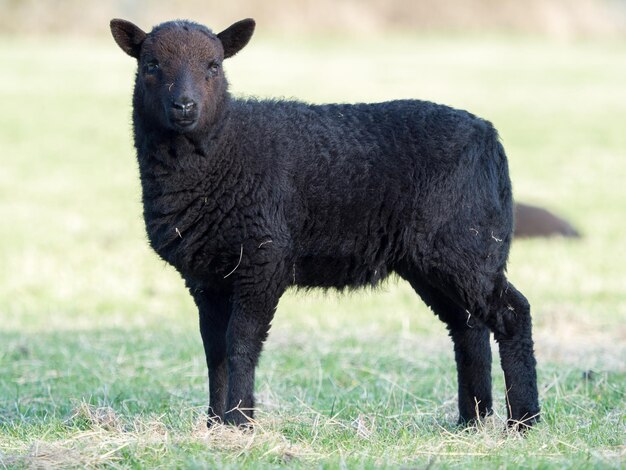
{"x": 253, "y": 309}
{"x": 215, "y": 312}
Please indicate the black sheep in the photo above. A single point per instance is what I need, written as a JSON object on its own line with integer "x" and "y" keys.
{"x": 248, "y": 197}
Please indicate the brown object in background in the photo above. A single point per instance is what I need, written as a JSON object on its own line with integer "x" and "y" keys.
{"x": 533, "y": 221}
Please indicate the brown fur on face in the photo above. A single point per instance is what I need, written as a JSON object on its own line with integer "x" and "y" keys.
{"x": 180, "y": 83}
{"x": 189, "y": 68}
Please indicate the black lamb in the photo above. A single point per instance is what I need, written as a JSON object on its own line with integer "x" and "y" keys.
{"x": 248, "y": 197}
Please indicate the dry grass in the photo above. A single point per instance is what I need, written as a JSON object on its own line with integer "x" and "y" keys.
{"x": 98, "y": 435}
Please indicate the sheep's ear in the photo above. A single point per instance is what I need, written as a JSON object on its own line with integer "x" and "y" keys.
{"x": 236, "y": 36}
{"x": 128, "y": 36}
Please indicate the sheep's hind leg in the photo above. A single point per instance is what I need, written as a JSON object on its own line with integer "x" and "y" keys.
{"x": 214, "y": 313}
{"x": 472, "y": 352}
{"x": 509, "y": 318}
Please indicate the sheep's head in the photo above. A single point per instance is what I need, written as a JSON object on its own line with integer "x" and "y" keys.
{"x": 180, "y": 83}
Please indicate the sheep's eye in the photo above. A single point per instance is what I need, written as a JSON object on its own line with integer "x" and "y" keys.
{"x": 152, "y": 66}
{"x": 214, "y": 67}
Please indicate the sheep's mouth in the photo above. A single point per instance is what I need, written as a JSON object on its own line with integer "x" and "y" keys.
{"x": 184, "y": 124}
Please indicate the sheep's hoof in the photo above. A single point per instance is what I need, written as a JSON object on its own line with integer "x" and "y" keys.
{"x": 239, "y": 420}
{"x": 213, "y": 420}
{"x": 524, "y": 424}
{"x": 463, "y": 423}
{"x": 474, "y": 420}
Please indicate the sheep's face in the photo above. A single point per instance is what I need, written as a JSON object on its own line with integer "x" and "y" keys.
{"x": 180, "y": 83}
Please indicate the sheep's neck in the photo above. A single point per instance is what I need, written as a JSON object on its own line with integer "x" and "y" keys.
{"x": 187, "y": 184}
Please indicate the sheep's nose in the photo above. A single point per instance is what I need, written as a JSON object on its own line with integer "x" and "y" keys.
{"x": 184, "y": 104}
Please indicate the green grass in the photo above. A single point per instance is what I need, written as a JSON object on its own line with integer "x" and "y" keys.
{"x": 101, "y": 363}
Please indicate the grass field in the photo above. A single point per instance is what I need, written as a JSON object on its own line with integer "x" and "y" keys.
{"x": 101, "y": 362}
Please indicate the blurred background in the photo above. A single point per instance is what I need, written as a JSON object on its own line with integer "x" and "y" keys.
{"x": 550, "y": 74}
{"x": 87, "y": 310}
{"x": 554, "y": 18}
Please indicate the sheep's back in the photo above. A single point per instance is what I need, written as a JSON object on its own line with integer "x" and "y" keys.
{"x": 373, "y": 181}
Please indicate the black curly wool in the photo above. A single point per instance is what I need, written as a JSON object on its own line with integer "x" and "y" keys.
{"x": 248, "y": 197}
